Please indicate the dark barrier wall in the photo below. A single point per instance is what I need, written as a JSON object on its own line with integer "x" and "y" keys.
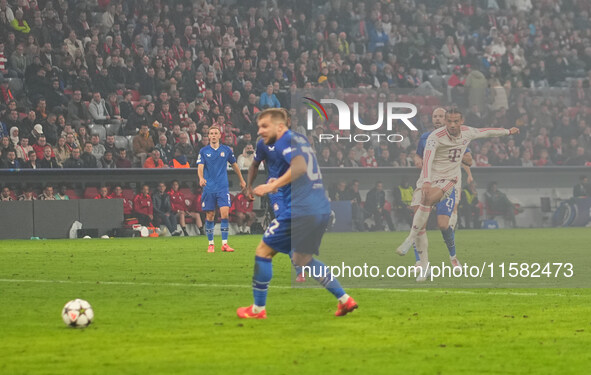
{"x": 16, "y": 220}
{"x": 53, "y": 219}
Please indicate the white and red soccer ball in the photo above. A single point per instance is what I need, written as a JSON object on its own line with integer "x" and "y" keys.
{"x": 77, "y": 313}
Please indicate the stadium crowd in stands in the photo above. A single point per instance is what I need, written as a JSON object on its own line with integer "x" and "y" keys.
{"x": 137, "y": 83}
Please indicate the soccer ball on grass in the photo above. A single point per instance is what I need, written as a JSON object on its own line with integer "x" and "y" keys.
{"x": 77, "y": 313}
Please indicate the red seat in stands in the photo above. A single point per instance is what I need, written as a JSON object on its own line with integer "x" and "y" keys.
{"x": 90, "y": 192}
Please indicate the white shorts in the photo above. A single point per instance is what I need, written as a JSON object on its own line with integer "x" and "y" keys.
{"x": 447, "y": 186}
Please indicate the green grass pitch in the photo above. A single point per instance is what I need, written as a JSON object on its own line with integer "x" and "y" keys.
{"x": 166, "y": 306}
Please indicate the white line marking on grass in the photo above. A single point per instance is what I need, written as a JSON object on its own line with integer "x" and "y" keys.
{"x": 391, "y": 290}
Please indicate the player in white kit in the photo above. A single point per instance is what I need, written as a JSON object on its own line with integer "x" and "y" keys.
{"x": 441, "y": 171}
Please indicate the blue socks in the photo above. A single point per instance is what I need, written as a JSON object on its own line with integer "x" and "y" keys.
{"x": 322, "y": 274}
{"x": 263, "y": 272}
{"x": 450, "y": 242}
{"x": 209, "y": 229}
{"x": 298, "y": 269}
{"x": 224, "y": 229}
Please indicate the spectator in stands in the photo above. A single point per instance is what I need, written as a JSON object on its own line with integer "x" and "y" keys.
{"x": 154, "y": 161}
{"x": 339, "y": 192}
{"x": 107, "y": 161}
{"x": 352, "y": 194}
{"x": 88, "y": 158}
{"x": 98, "y": 109}
{"x": 47, "y": 194}
{"x": 5, "y": 146}
{"x": 97, "y": 148}
{"x": 369, "y": 160}
{"x": 36, "y": 134}
{"x": 23, "y": 149}
{"x": 27, "y": 195}
{"x": 268, "y": 99}
{"x": 77, "y": 112}
{"x": 180, "y": 207}
{"x": 62, "y": 195}
{"x": 6, "y": 194}
{"x": 243, "y": 213}
{"x": 39, "y": 146}
{"x": 143, "y": 207}
{"x": 103, "y": 193}
{"x": 184, "y": 146}
{"x": 142, "y": 144}
{"x": 61, "y": 151}
{"x": 179, "y": 160}
{"x": 166, "y": 152}
{"x": 376, "y": 206}
{"x": 246, "y": 158}
{"x": 48, "y": 160}
{"x": 110, "y": 145}
{"x": 31, "y": 163}
{"x": 122, "y": 161}
{"x": 402, "y": 201}
{"x": 163, "y": 210}
{"x": 127, "y": 203}
{"x": 74, "y": 160}
{"x": 582, "y": 189}
{"x": 469, "y": 208}
{"x": 497, "y": 203}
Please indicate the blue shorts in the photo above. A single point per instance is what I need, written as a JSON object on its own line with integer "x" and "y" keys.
{"x": 277, "y": 204}
{"x": 446, "y": 206}
{"x": 302, "y": 234}
{"x": 209, "y": 200}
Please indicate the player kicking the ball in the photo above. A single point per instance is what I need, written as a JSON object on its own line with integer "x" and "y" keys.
{"x": 446, "y": 208}
{"x": 442, "y": 161}
{"x": 301, "y": 225}
{"x": 211, "y": 167}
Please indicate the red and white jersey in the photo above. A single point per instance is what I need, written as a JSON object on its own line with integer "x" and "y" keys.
{"x": 442, "y": 159}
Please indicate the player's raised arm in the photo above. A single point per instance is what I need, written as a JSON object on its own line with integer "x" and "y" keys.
{"x": 491, "y": 132}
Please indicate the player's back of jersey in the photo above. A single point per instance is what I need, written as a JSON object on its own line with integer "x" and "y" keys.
{"x": 306, "y": 195}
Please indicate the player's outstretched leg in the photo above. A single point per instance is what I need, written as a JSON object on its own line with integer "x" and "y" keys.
{"x": 423, "y": 251}
{"x": 418, "y": 223}
{"x": 449, "y": 239}
{"x": 263, "y": 272}
{"x": 417, "y": 257}
{"x": 301, "y": 277}
{"x": 322, "y": 274}
{"x": 224, "y": 226}
{"x": 209, "y": 225}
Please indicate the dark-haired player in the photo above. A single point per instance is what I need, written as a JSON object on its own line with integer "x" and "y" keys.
{"x": 441, "y": 170}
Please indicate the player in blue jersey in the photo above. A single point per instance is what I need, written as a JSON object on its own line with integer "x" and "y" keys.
{"x": 447, "y": 208}
{"x": 275, "y": 168}
{"x": 303, "y": 221}
{"x": 212, "y": 164}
